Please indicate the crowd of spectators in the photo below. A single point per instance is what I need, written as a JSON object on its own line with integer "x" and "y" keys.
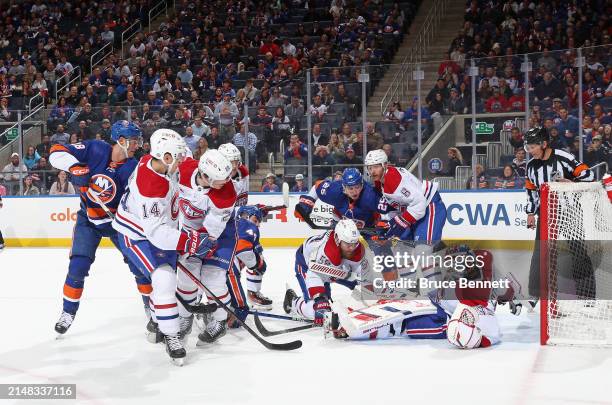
{"x": 215, "y": 71}
{"x": 493, "y": 34}
{"x": 43, "y": 41}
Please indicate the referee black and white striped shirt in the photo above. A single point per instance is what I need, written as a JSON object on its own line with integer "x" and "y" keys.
{"x": 560, "y": 164}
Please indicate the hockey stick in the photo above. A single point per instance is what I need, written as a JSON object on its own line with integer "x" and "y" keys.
{"x": 265, "y": 332}
{"x": 296, "y": 344}
{"x": 278, "y": 316}
{"x": 194, "y": 309}
{"x": 197, "y": 309}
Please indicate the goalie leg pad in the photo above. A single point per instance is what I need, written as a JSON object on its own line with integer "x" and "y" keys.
{"x": 471, "y": 327}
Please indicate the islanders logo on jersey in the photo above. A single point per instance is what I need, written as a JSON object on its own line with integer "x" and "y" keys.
{"x": 104, "y": 187}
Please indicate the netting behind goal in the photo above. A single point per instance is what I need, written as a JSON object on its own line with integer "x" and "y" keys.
{"x": 576, "y": 264}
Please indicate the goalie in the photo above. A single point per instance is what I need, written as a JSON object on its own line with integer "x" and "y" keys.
{"x": 465, "y": 317}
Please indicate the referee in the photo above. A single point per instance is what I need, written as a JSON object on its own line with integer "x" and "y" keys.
{"x": 548, "y": 164}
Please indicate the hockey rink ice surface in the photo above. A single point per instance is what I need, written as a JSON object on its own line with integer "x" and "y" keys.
{"x": 106, "y": 355}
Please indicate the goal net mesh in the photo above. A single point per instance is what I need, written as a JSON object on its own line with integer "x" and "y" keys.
{"x": 576, "y": 266}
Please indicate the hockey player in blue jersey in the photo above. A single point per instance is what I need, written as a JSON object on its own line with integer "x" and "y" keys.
{"x": 101, "y": 173}
{"x": 351, "y": 197}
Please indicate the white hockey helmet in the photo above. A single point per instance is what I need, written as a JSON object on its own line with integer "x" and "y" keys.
{"x": 346, "y": 231}
{"x": 214, "y": 165}
{"x": 376, "y": 157}
{"x": 167, "y": 141}
{"x": 230, "y": 151}
{"x": 462, "y": 329}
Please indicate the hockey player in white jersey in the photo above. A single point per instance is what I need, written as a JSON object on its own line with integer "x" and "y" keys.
{"x": 240, "y": 173}
{"x": 415, "y": 207}
{"x": 335, "y": 256}
{"x": 150, "y": 238}
{"x": 206, "y": 201}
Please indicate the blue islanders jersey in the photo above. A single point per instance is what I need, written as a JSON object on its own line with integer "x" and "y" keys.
{"x": 109, "y": 176}
{"x": 248, "y": 237}
{"x": 363, "y": 210}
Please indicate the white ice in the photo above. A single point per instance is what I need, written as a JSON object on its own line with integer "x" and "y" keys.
{"x": 106, "y": 355}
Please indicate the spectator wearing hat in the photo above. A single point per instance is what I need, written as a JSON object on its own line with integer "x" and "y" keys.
{"x": 517, "y": 101}
{"x": 269, "y": 185}
{"x": 497, "y": 103}
{"x": 299, "y": 186}
{"x": 456, "y": 104}
{"x": 13, "y": 172}
{"x": 595, "y": 153}
{"x": 28, "y": 187}
{"x": 104, "y": 132}
{"x": 226, "y": 111}
{"x": 350, "y": 158}
{"x": 322, "y": 163}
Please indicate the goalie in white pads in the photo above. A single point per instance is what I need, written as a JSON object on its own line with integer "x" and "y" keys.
{"x": 472, "y": 321}
{"x": 206, "y": 202}
{"x": 150, "y": 239}
{"x": 335, "y": 256}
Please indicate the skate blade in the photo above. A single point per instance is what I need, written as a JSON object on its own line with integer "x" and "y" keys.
{"x": 260, "y": 307}
{"x": 178, "y": 362}
{"x": 202, "y": 343}
{"x": 59, "y": 336}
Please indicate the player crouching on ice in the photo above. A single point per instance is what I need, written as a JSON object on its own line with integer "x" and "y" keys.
{"x": 472, "y": 323}
{"x": 336, "y": 256}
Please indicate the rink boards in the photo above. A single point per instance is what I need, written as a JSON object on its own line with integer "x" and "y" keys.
{"x": 497, "y": 218}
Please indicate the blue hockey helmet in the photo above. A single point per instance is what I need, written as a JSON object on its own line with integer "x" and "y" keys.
{"x": 126, "y": 129}
{"x": 250, "y": 211}
{"x": 351, "y": 177}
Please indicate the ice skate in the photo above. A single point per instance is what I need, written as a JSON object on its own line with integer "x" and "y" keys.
{"x": 64, "y": 322}
{"x": 186, "y": 326}
{"x": 290, "y": 295}
{"x": 175, "y": 349}
{"x": 153, "y": 333}
{"x": 259, "y": 301}
{"x": 214, "y": 330}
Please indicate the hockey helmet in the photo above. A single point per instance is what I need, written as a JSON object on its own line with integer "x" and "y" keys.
{"x": 536, "y": 135}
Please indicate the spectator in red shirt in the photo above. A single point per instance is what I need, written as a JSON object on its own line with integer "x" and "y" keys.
{"x": 517, "y": 101}
{"x": 290, "y": 60}
{"x": 270, "y": 46}
{"x": 448, "y": 63}
{"x": 496, "y": 103}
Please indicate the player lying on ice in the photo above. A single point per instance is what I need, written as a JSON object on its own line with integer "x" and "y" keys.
{"x": 464, "y": 316}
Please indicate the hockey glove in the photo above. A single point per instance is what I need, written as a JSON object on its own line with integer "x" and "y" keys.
{"x": 304, "y": 206}
{"x": 241, "y": 313}
{"x": 79, "y": 175}
{"x": 400, "y": 225}
{"x": 321, "y": 306}
{"x": 260, "y": 267}
{"x": 196, "y": 244}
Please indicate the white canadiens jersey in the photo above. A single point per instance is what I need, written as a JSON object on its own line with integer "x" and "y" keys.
{"x": 203, "y": 207}
{"x": 323, "y": 249}
{"x": 406, "y": 193}
{"x": 148, "y": 209}
{"x": 241, "y": 184}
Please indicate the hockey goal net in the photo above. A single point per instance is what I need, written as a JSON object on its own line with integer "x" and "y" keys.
{"x": 576, "y": 264}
